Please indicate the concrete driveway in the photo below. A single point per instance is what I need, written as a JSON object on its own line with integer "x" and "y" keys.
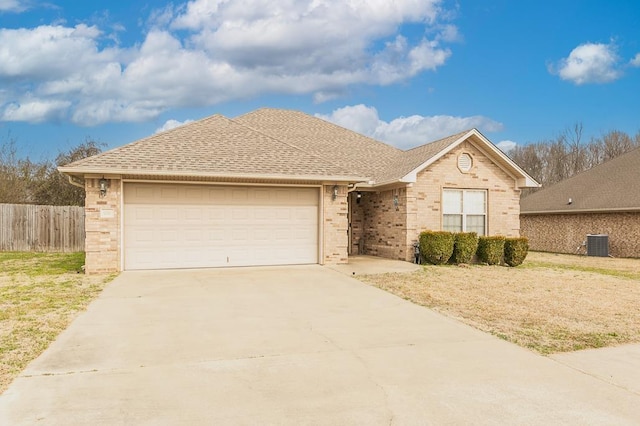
{"x": 291, "y": 345}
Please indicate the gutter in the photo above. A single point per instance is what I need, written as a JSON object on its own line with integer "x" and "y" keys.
{"x": 601, "y": 210}
{"x": 213, "y": 175}
{"x": 79, "y": 182}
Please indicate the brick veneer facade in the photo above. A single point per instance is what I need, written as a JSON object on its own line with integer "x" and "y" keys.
{"x": 102, "y": 225}
{"x": 379, "y": 227}
{"x": 384, "y": 223}
{"x": 334, "y": 228}
{"x": 565, "y": 233}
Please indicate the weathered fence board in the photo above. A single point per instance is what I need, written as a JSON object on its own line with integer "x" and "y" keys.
{"x": 25, "y": 227}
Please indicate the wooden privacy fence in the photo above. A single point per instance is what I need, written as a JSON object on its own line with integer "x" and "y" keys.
{"x": 25, "y": 227}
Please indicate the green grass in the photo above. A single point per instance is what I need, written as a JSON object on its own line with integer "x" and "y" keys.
{"x": 37, "y": 264}
{"x": 40, "y": 294}
{"x": 595, "y": 270}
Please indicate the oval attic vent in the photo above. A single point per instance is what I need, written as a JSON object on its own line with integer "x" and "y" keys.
{"x": 464, "y": 162}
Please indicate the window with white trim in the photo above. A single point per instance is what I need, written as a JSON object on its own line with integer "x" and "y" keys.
{"x": 464, "y": 210}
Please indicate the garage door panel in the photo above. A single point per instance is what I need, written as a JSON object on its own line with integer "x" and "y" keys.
{"x": 188, "y": 226}
{"x": 169, "y": 193}
{"x": 142, "y": 237}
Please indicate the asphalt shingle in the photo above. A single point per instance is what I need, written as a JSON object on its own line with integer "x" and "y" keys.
{"x": 214, "y": 146}
{"x": 266, "y": 143}
{"x": 611, "y": 186}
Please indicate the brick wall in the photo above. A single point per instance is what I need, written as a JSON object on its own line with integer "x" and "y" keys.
{"x": 102, "y": 226}
{"x": 335, "y": 236}
{"x": 378, "y": 226}
{"x": 565, "y": 233}
{"x": 102, "y": 223}
{"x": 382, "y": 229}
{"x": 503, "y": 198}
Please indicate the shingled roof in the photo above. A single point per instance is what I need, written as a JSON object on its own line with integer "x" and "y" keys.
{"x": 349, "y": 149}
{"x": 213, "y": 147}
{"x": 608, "y": 187}
{"x": 276, "y": 144}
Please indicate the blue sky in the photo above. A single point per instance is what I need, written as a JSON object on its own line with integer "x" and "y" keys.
{"x": 405, "y": 71}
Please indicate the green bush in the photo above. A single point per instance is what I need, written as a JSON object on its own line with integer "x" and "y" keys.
{"x": 436, "y": 247}
{"x": 491, "y": 249}
{"x": 465, "y": 245}
{"x": 515, "y": 250}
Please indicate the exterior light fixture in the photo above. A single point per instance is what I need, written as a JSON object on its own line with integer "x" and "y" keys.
{"x": 395, "y": 200}
{"x": 358, "y": 197}
{"x": 334, "y": 194}
{"x": 103, "y": 184}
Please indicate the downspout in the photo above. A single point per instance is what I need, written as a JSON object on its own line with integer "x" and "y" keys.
{"x": 75, "y": 183}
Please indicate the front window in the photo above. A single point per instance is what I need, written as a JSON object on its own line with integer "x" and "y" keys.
{"x": 464, "y": 210}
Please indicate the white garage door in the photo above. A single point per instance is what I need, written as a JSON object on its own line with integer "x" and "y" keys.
{"x": 197, "y": 226}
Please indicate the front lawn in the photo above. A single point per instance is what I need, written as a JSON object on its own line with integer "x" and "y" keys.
{"x": 40, "y": 293}
{"x": 552, "y": 303}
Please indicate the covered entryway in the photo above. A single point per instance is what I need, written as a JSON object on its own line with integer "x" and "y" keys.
{"x": 170, "y": 226}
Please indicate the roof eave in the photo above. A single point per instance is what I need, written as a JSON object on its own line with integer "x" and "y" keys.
{"x": 72, "y": 171}
{"x": 528, "y": 182}
{"x": 412, "y": 176}
{"x": 523, "y": 180}
{"x": 585, "y": 210}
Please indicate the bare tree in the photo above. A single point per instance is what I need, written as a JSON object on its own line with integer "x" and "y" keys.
{"x": 551, "y": 161}
{"x": 23, "y": 181}
{"x": 17, "y": 175}
{"x": 55, "y": 188}
{"x": 576, "y": 155}
{"x": 616, "y": 143}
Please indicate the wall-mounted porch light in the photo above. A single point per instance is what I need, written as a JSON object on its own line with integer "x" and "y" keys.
{"x": 334, "y": 194}
{"x": 358, "y": 197}
{"x": 103, "y": 185}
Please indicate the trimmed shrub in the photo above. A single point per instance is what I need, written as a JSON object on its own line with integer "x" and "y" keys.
{"x": 491, "y": 249}
{"x": 515, "y": 250}
{"x": 465, "y": 245}
{"x": 436, "y": 247}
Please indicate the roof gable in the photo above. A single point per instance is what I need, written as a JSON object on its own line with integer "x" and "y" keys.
{"x": 419, "y": 158}
{"x": 610, "y": 186}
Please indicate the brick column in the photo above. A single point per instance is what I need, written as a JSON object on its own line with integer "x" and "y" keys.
{"x": 335, "y": 226}
{"x": 102, "y": 226}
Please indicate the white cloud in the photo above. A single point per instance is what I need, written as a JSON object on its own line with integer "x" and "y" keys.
{"x": 209, "y": 51}
{"x": 506, "y": 146}
{"x": 35, "y": 111}
{"x": 13, "y": 5}
{"x": 172, "y": 124}
{"x": 406, "y": 132}
{"x": 590, "y": 63}
{"x": 636, "y": 60}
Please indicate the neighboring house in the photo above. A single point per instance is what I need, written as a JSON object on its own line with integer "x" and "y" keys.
{"x": 604, "y": 200}
{"x": 282, "y": 187}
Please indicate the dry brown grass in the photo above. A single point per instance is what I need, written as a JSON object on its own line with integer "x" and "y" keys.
{"x": 551, "y": 303}
{"x": 39, "y": 296}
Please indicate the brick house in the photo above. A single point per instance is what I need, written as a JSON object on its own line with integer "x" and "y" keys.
{"x": 278, "y": 187}
{"x": 604, "y": 200}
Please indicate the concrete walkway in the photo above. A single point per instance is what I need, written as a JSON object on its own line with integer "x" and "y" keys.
{"x": 291, "y": 345}
{"x": 619, "y": 365}
{"x": 361, "y": 265}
